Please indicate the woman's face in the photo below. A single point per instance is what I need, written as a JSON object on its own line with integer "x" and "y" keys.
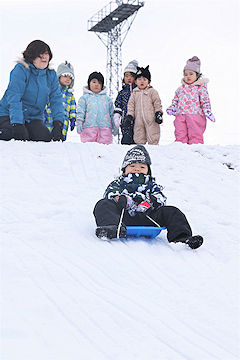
{"x": 41, "y": 62}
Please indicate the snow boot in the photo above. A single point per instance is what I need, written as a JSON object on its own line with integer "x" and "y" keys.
{"x": 110, "y": 232}
{"x": 194, "y": 241}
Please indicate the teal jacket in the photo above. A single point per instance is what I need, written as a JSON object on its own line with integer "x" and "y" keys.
{"x": 95, "y": 110}
{"x": 28, "y": 92}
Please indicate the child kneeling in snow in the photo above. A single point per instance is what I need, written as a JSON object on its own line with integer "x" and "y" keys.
{"x": 136, "y": 195}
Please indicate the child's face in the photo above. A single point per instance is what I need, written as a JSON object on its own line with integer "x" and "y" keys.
{"x": 142, "y": 82}
{"x": 95, "y": 85}
{"x": 136, "y": 168}
{"x": 65, "y": 80}
{"x": 129, "y": 78}
{"x": 190, "y": 76}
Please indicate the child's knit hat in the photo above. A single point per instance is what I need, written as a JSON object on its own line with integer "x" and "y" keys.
{"x": 138, "y": 154}
{"x": 193, "y": 64}
{"x": 66, "y": 69}
{"x": 96, "y": 75}
{"x": 131, "y": 67}
{"x": 143, "y": 72}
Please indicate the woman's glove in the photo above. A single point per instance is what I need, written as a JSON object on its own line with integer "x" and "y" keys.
{"x": 72, "y": 124}
{"x": 20, "y": 132}
{"x": 171, "y": 110}
{"x": 117, "y": 119}
{"x": 57, "y": 134}
{"x": 209, "y": 115}
{"x": 158, "y": 117}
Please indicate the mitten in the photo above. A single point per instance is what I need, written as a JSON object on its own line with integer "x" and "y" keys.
{"x": 20, "y": 132}
{"x": 143, "y": 206}
{"x": 57, "y": 134}
{"x": 122, "y": 202}
{"x": 171, "y": 110}
{"x": 72, "y": 124}
{"x": 158, "y": 117}
{"x": 128, "y": 120}
{"x": 209, "y": 115}
{"x": 117, "y": 119}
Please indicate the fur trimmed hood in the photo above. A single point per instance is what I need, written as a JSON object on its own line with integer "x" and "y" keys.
{"x": 23, "y": 62}
{"x": 199, "y": 81}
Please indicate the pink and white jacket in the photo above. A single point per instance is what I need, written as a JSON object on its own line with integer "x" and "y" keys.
{"x": 192, "y": 99}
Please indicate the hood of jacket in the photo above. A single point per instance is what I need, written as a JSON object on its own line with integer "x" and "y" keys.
{"x": 26, "y": 64}
{"x": 145, "y": 90}
{"x": 199, "y": 81}
{"x": 86, "y": 90}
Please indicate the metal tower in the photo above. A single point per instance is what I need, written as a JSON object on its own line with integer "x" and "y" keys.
{"x": 111, "y": 24}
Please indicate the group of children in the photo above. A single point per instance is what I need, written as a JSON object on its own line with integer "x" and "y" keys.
{"x": 138, "y": 109}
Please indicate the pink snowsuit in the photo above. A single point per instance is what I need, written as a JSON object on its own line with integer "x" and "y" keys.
{"x": 191, "y": 101}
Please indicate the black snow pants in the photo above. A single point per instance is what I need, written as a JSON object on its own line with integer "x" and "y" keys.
{"x": 107, "y": 213}
{"x": 37, "y": 130}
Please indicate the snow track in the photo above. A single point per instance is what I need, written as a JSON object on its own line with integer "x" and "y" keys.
{"x": 66, "y": 295}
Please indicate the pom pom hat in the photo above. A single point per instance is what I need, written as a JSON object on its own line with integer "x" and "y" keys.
{"x": 131, "y": 67}
{"x": 143, "y": 72}
{"x": 138, "y": 154}
{"x": 193, "y": 64}
{"x": 96, "y": 75}
{"x": 66, "y": 69}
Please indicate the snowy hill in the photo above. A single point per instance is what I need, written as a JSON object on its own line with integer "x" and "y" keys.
{"x": 66, "y": 295}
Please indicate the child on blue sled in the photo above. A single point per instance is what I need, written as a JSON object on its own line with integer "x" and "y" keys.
{"x": 135, "y": 199}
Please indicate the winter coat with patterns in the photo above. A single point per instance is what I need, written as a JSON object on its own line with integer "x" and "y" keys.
{"x": 137, "y": 186}
{"x": 95, "y": 110}
{"x": 70, "y": 110}
{"x": 192, "y": 98}
{"x": 121, "y": 104}
{"x": 28, "y": 92}
{"x": 142, "y": 105}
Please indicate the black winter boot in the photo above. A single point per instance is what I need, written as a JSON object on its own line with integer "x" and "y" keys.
{"x": 110, "y": 232}
{"x": 194, "y": 241}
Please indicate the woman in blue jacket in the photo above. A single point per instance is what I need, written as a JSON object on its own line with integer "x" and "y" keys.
{"x": 32, "y": 85}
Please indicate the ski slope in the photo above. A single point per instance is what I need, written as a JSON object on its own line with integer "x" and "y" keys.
{"x": 66, "y": 295}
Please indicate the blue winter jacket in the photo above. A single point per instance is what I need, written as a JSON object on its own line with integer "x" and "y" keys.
{"x": 28, "y": 92}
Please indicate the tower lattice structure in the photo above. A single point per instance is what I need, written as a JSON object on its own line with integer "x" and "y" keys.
{"x": 111, "y": 24}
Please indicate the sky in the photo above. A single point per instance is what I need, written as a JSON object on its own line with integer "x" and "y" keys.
{"x": 164, "y": 34}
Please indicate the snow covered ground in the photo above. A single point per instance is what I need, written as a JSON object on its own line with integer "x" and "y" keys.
{"x": 66, "y": 295}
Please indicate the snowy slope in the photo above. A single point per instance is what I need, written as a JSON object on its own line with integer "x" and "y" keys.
{"x": 66, "y": 295}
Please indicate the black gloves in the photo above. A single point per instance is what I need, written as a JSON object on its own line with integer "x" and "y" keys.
{"x": 127, "y": 121}
{"x": 20, "y": 132}
{"x": 158, "y": 117}
{"x": 122, "y": 202}
{"x": 57, "y": 134}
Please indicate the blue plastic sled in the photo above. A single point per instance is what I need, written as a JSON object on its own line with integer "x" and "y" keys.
{"x": 148, "y": 231}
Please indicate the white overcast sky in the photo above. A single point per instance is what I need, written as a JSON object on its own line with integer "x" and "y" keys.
{"x": 164, "y": 34}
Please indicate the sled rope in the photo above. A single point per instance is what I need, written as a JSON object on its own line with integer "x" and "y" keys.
{"x": 153, "y": 221}
{"x": 120, "y": 222}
